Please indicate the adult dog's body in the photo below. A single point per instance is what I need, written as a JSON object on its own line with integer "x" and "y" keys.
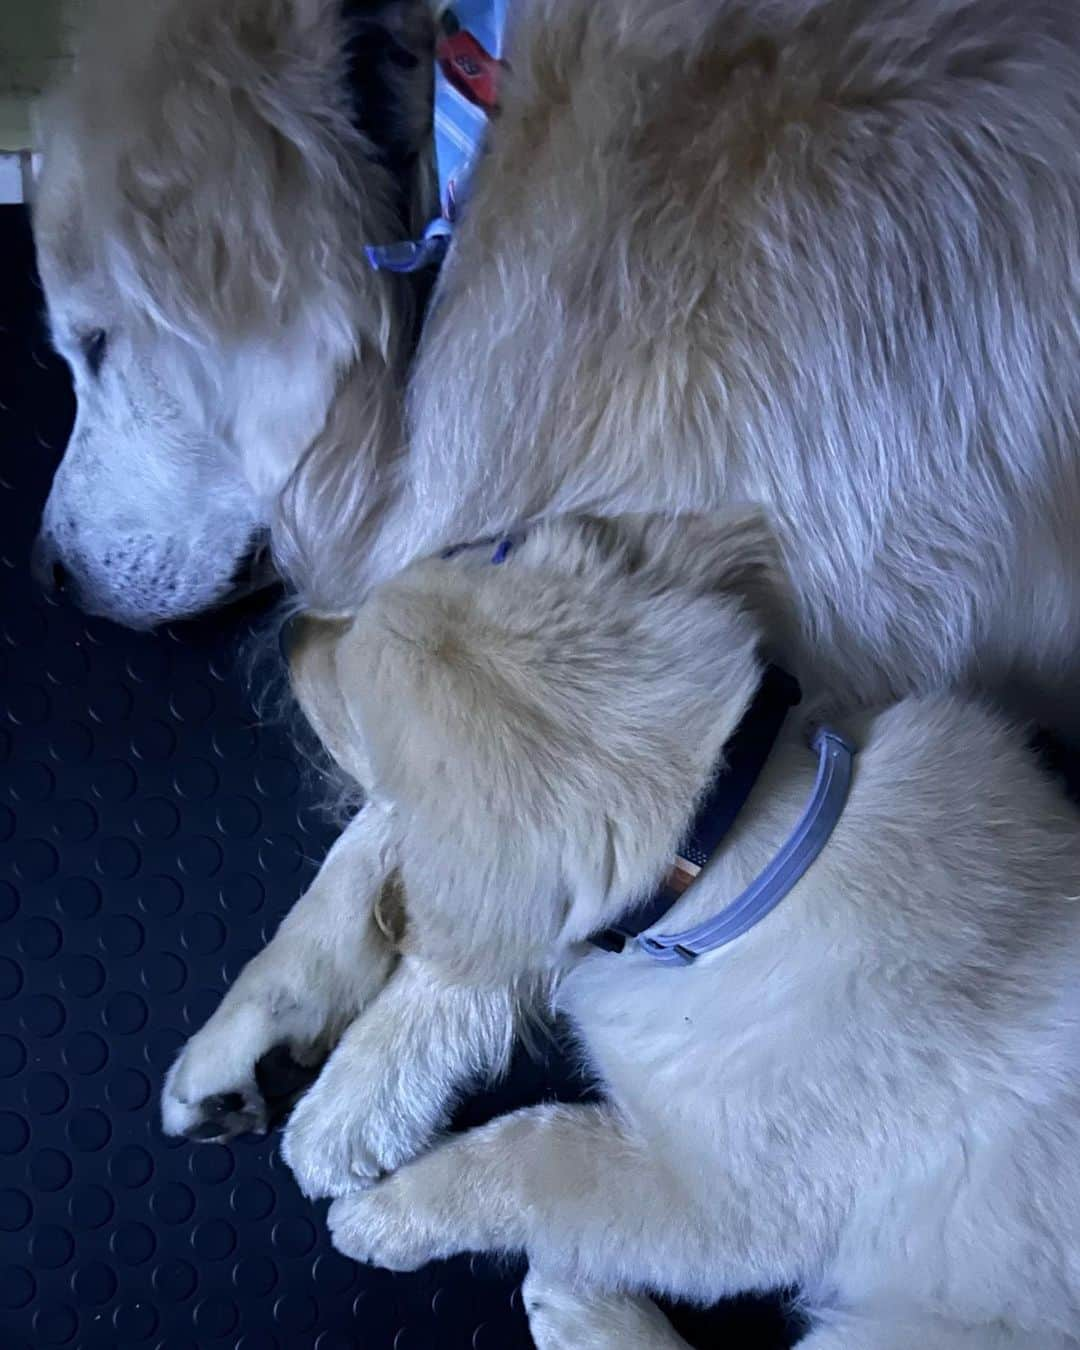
{"x": 813, "y": 253}
{"x": 872, "y": 1094}
{"x": 817, "y": 254}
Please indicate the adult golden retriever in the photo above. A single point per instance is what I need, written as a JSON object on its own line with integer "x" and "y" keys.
{"x": 817, "y": 254}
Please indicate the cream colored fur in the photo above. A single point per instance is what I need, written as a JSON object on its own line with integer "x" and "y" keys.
{"x": 813, "y": 253}
{"x": 203, "y": 204}
{"x": 816, "y": 254}
{"x": 871, "y": 1095}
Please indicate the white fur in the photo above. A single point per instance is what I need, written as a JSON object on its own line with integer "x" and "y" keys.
{"x": 871, "y": 1095}
{"x": 564, "y": 1318}
{"x": 204, "y": 200}
{"x": 820, "y": 258}
{"x": 392, "y": 1075}
{"x": 816, "y": 255}
{"x": 327, "y": 961}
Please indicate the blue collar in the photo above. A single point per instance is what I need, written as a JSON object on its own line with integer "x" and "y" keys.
{"x": 468, "y": 61}
{"x": 745, "y": 756}
{"x": 501, "y": 546}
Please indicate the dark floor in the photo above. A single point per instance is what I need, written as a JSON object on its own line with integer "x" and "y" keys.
{"x": 152, "y": 835}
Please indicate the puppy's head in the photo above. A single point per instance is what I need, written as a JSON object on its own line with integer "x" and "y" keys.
{"x": 543, "y": 725}
{"x": 200, "y": 220}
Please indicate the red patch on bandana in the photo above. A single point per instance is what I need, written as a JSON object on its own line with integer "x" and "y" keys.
{"x": 469, "y": 68}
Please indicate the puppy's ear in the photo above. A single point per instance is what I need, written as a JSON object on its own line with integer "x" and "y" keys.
{"x": 734, "y": 553}
{"x": 514, "y": 714}
{"x": 311, "y": 646}
{"x": 455, "y": 741}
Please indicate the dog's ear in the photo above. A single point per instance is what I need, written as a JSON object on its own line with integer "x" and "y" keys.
{"x": 413, "y": 686}
{"x": 734, "y": 553}
{"x": 544, "y": 735}
{"x": 342, "y": 484}
{"x": 233, "y": 187}
{"x": 311, "y": 646}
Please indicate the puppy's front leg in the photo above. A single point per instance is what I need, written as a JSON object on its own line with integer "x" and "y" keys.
{"x": 326, "y": 962}
{"x": 396, "y": 1075}
{"x": 565, "y": 1184}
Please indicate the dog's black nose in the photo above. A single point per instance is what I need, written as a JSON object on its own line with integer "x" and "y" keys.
{"x": 46, "y": 568}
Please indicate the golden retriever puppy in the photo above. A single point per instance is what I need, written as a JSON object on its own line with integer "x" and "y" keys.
{"x": 870, "y": 1093}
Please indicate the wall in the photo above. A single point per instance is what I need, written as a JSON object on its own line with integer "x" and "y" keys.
{"x": 32, "y": 45}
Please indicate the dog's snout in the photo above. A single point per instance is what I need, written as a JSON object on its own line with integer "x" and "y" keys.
{"x": 47, "y": 568}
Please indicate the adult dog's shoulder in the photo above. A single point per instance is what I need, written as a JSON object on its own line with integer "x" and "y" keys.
{"x": 812, "y": 254}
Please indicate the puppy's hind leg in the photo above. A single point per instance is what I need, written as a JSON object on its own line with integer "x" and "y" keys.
{"x": 563, "y": 1317}
{"x": 291, "y": 1002}
{"x": 567, "y": 1186}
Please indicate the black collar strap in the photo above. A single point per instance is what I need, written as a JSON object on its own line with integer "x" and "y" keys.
{"x": 744, "y": 757}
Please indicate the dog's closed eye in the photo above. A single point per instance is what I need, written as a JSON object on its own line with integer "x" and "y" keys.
{"x": 93, "y": 349}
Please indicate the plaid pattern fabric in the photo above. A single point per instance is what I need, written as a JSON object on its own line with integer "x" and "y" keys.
{"x": 466, "y": 89}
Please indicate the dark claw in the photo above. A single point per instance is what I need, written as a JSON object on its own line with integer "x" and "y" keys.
{"x": 280, "y": 1080}
{"x": 207, "y": 1132}
{"x": 224, "y": 1116}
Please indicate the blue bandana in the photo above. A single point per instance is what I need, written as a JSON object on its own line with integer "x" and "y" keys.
{"x": 467, "y": 66}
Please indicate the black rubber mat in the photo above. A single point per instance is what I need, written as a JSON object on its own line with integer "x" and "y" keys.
{"x": 152, "y": 835}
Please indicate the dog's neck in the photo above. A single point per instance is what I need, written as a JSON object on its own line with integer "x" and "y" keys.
{"x": 684, "y": 919}
{"x": 742, "y": 761}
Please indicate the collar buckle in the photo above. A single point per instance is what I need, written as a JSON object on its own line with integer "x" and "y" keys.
{"x": 664, "y": 950}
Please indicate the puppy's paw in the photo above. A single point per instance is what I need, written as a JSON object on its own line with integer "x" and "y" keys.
{"x": 239, "y": 1074}
{"x": 357, "y": 1123}
{"x": 325, "y": 1146}
{"x": 393, "y": 1225}
{"x": 562, "y": 1317}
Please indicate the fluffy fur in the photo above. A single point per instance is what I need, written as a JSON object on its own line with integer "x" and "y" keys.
{"x": 199, "y": 220}
{"x": 816, "y": 254}
{"x": 872, "y": 1094}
